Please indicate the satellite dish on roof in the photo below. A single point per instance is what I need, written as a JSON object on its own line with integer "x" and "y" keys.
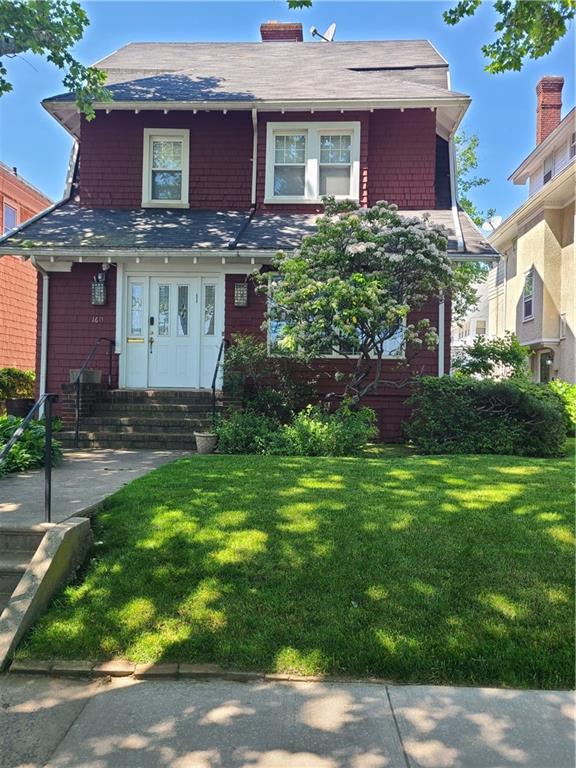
{"x": 328, "y": 36}
{"x": 492, "y": 224}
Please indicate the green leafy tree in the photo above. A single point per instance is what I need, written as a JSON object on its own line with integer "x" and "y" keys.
{"x": 50, "y": 28}
{"x": 499, "y": 358}
{"x": 466, "y": 164}
{"x": 351, "y": 287}
{"x": 526, "y": 29}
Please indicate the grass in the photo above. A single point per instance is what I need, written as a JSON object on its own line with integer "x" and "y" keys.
{"x": 429, "y": 569}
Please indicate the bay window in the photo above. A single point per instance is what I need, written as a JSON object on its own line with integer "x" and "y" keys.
{"x": 165, "y": 168}
{"x": 306, "y": 161}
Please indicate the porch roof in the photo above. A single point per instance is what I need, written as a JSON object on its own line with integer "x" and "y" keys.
{"x": 73, "y": 230}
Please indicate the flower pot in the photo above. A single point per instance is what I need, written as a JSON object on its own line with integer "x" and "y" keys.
{"x": 19, "y": 406}
{"x": 206, "y": 441}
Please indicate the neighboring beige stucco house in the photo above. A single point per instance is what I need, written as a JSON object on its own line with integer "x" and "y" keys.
{"x": 532, "y": 289}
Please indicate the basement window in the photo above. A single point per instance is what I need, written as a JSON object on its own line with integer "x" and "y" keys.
{"x": 306, "y": 161}
{"x": 165, "y": 168}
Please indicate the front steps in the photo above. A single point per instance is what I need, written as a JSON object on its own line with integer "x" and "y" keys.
{"x": 158, "y": 419}
{"x": 17, "y": 548}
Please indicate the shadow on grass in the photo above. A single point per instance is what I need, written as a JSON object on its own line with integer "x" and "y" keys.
{"x": 429, "y": 569}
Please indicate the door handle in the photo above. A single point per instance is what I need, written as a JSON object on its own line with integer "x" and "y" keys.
{"x": 150, "y": 343}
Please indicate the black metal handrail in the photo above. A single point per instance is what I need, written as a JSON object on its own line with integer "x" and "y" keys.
{"x": 224, "y": 344}
{"x": 47, "y": 400}
{"x": 78, "y": 381}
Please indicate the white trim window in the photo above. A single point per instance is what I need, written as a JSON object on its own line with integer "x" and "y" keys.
{"x": 548, "y": 169}
{"x": 165, "y": 168}
{"x": 10, "y": 216}
{"x": 572, "y": 151}
{"x": 528, "y": 296}
{"x": 306, "y": 161}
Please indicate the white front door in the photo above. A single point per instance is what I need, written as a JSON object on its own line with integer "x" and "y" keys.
{"x": 174, "y": 321}
{"x": 174, "y": 326}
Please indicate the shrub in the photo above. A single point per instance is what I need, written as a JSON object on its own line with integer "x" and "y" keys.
{"x": 464, "y": 415}
{"x": 29, "y": 450}
{"x": 567, "y": 393}
{"x": 313, "y": 432}
{"x": 248, "y": 432}
{"x": 272, "y": 386}
{"x": 317, "y": 432}
{"x": 16, "y": 383}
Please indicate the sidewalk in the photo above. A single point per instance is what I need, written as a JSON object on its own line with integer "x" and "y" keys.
{"x": 217, "y": 724}
{"x": 81, "y": 480}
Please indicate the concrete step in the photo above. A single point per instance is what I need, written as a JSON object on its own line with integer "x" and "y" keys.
{"x": 193, "y": 397}
{"x": 12, "y": 539}
{"x": 151, "y": 409}
{"x": 136, "y": 426}
{"x": 108, "y": 439}
{"x": 12, "y": 567}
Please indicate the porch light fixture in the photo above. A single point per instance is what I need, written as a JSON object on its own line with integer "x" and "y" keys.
{"x": 240, "y": 294}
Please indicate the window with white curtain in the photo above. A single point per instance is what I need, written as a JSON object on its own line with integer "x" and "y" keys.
{"x": 165, "y": 168}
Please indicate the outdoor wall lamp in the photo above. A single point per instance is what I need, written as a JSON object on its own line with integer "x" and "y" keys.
{"x": 99, "y": 287}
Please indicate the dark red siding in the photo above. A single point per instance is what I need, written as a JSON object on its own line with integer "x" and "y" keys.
{"x": 389, "y": 402}
{"x": 402, "y": 158}
{"x": 220, "y": 158}
{"x": 397, "y": 157}
{"x": 74, "y": 324}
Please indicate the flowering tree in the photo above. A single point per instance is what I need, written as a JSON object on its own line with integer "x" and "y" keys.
{"x": 350, "y": 288}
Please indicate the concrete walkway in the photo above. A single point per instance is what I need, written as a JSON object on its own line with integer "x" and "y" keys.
{"x": 217, "y": 724}
{"x": 81, "y": 480}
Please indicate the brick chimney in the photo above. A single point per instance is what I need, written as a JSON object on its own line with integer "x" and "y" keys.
{"x": 548, "y": 111}
{"x": 286, "y": 32}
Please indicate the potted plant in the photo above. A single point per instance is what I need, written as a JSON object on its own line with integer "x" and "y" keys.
{"x": 206, "y": 441}
{"x": 17, "y": 390}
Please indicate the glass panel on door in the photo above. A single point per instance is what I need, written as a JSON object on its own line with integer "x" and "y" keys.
{"x": 182, "y": 321}
{"x": 163, "y": 310}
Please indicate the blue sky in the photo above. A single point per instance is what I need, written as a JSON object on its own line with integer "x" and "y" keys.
{"x": 502, "y": 111}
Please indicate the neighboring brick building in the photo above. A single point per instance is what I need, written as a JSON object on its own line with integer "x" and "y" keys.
{"x": 210, "y": 158}
{"x": 19, "y": 201}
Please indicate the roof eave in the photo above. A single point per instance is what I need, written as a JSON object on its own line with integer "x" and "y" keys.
{"x": 521, "y": 174}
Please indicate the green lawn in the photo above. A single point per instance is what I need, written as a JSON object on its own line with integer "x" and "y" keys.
{"x": 429, "y": 569}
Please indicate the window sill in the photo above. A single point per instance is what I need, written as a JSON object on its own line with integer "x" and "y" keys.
{"x": 164, "y": 204}
{"x": 528, "y": 319}
{"x": 304, "y": 200}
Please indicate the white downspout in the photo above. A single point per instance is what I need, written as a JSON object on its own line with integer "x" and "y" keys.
{"x": 460, "y": 241}
{"x": 254, "y": 156}
{"x": 44, "y": 327}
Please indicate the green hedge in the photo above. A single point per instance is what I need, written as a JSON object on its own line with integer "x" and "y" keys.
{"x": 464, "y": 415}
{"x": 16, "y": 383}
{"x": 567, "y": 393}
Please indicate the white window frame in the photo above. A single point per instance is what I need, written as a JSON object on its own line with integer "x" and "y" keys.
{"x": 312, "y": 131}
{"x": 170, "y": 134}
{"x": 572, "y": 146}
{"x": 549, "y": 159}
{"x": 528, "y": 297}
{"x": 15, "y": 208}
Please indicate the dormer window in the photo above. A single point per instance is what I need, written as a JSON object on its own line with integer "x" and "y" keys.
{"x": 306, "y": 161}
{"x": 165, "y": 168}
{"x": 548, "y": 168}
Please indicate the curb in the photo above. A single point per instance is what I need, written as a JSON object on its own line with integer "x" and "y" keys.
{"x": 183, "y": 671}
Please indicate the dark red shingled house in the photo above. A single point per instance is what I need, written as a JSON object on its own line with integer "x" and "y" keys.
{"x": 210, "y": 158}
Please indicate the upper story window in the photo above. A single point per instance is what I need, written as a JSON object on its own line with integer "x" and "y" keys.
{"x": 573, "y": 145}
{"x": 528, "y": 296}
{"x": 480, "y": 327}
{"x": 10, "y": 217}
{"x": 548, "y": 168}
{"x": 165, "y": 168}
{"x": 306, "y": 161}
